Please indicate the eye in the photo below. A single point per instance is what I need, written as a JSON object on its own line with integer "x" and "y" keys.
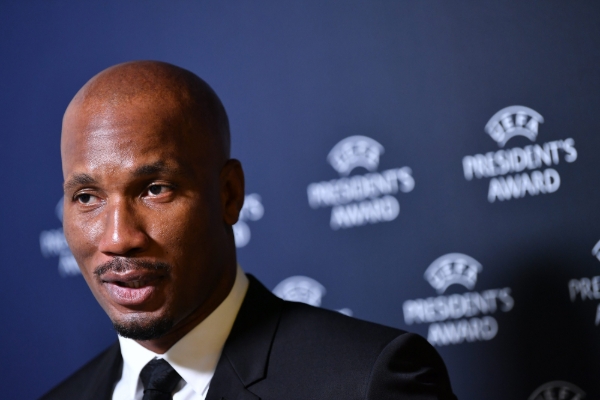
{"x": 86, "y": 198}
{"x": 156, "y": 190}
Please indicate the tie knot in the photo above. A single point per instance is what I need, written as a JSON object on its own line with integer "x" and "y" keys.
{"x": 159, "y": 379}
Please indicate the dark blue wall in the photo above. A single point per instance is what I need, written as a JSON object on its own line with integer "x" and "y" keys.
{"x": 422, "y": 79}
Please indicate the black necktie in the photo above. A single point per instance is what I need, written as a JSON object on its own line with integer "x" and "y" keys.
{"x": 159, "y": 380}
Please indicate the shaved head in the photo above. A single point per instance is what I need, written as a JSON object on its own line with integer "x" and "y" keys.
{"x": 159, "y": 83}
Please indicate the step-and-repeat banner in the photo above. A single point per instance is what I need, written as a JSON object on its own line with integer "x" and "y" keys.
{"x": 433, "y": 166}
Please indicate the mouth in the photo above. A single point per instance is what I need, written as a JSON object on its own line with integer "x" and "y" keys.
{"x": 133, "y": 289}
{"x": 132, "y": 284}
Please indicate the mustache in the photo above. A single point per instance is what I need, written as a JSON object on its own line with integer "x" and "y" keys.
{"x": 121, "y": 265}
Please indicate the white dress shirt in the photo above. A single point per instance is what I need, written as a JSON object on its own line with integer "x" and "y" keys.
{"x": 194, "y": 356}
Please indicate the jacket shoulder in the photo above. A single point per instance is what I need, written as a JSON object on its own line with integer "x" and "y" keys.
{"x": 347, "y": 355}
{"x": 307, "y": 321}
{"x": 95, "y": 380}
{"x": 409, "y": 364}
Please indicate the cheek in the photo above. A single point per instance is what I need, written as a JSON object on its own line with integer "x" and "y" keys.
{"x": 82, "y": 236}
{"x": 185, "y": 229}
{"x": 189, "y": 241}
{"x": 179, "y": 240}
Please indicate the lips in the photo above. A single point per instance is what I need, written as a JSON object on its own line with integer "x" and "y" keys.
{"x": 133, "y": 284}
{"x": 132, "y": 289}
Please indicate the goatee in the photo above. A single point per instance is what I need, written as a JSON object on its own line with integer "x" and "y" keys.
{"x": 135, "y": 326}
{"x": 140, "y": 328}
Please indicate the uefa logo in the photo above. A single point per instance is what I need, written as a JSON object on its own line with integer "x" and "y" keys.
{"x": 458, "y": 317}
{"x": 559, "y": 390}
{"x": 453, "y": 268}
{"x": 358, "y": 200}
{"x": 353, "y": 152}
{"x": 303, "y": 289}
{"x": 518, "y": 172}
{"x": 514, "y": 121}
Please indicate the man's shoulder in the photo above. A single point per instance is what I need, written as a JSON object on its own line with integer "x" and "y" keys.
{"x": 341, "y": 354}
{"x": 345, "y": 337}
{"x": 308, "y": 321}
{"x": 301, "y": 326}
{"x": 91, "y": 380}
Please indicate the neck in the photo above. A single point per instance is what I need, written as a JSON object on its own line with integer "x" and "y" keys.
{"x": 162, "y": 344}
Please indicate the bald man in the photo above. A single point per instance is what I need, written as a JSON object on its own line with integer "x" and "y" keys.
{"x": 151, "y": 195}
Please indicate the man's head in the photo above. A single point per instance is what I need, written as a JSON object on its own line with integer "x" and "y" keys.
{"x": 150, "y": 197}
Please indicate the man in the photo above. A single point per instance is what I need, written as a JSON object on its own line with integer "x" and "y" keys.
{"x": 150, "y": 199}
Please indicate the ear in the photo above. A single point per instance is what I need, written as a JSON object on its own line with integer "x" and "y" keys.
{"x": 232, "y": 190}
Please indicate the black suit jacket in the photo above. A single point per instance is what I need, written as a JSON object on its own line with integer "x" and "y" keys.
{"x": 279, "y": 350}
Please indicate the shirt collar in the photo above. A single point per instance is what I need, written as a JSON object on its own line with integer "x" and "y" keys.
{"x": 194, "y": 356}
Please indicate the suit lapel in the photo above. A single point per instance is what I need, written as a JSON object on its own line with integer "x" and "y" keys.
{"x": 245, "y": 355}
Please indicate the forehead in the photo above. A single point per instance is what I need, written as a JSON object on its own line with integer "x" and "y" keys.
{"x": 107, "y": 137}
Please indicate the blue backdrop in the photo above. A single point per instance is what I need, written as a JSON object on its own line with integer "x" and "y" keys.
{"x": 427, "y": 165}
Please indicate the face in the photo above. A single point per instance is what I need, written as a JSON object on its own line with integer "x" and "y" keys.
{"x": 147, "y": 212}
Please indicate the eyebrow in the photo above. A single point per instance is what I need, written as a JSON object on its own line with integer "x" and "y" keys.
{"x": 78, "y": 180}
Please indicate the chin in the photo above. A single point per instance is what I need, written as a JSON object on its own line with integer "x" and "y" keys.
{"x": 138, "y": 327}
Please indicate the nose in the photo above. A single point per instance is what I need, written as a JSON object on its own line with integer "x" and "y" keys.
{"x": 123, "y": 230}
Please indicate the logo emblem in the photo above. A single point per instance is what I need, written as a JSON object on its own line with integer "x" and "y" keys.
{"x": 355, "y": 151}
{"x": 519, "y": 171}
{"x": 360, "y": 199}
{"x": 458, "y": 317}
{"x": 558, "y": 390}
{"x": 252, "y": 210}
{"x": 453, "y": 268}
{"x": 303, "y": 289}
{"x": 514, "y": 121}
